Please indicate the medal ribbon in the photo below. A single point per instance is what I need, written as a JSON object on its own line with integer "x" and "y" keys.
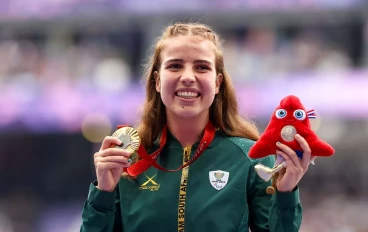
{"x": 150, "y": 160}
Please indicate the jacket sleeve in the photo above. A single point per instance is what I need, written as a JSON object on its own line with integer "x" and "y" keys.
{"x": 275, "y": 213}
{"x": 101, "y": 211}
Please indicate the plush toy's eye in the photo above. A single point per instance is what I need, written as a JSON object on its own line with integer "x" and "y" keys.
{"x": 299, "y": 114}
{"x": 280, "y": 113}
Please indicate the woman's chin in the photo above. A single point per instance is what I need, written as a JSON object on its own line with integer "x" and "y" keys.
{"x": 188, "y": 112}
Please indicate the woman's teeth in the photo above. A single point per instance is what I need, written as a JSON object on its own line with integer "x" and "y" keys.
{"x": 187, "y": 95}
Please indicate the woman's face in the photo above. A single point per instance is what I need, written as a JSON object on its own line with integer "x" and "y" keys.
{"x": 187, "y": 80}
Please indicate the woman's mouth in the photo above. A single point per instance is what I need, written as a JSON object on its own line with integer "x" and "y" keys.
{"x": 187, "y": 94}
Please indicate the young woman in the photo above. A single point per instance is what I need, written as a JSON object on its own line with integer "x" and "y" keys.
{"x": 190, "y": 100}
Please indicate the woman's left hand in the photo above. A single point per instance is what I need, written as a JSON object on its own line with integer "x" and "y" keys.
{"x": 290, "y": 176}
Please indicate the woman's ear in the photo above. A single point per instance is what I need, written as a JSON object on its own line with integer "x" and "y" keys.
{"x": 157, "y": 80}
{"x": 218, "y": 83}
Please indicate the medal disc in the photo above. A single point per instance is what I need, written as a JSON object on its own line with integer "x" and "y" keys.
{"x": 129, "y": 137}
{"x": 288, "y": 133}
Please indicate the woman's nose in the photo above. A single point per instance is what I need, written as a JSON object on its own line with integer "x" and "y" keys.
{"x": 188, "y": 76}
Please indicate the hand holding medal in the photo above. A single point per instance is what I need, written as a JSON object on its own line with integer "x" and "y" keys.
{"x": 129, "y": 137}
{"x": 114, "y": 156}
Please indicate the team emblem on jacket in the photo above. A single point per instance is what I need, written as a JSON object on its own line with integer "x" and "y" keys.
{"x": 218, "y": 179}
{"x": 150, "y": 184}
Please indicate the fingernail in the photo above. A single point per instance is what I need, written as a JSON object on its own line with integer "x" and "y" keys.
{"x": 297, "y": 136}
{"x": 278, "y": 143}
{"x": 130, "y": 160}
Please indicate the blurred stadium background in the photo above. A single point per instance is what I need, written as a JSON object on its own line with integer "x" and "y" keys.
{"x": 70, "y": 72}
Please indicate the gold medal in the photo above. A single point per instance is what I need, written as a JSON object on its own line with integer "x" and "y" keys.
{"x": 129, "y": 137}
{"x": 288, "y": 133}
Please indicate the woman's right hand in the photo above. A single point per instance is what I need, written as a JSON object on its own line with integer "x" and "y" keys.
{"x": 109, "y": 163}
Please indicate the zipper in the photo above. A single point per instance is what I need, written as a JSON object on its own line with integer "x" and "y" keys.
{"x": 186, "y": 154}
{"x": 183, "y": 190}
{"x": 186, "y": 157}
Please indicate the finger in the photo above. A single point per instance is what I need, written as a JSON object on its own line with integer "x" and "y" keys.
{"x": 115, "y": 152}
{"x": 111, "y": 165}
{"x": 119, "y": 159}
{"x": 306, "y": 151}
{"x": 110, "y": 141}
{"x": 288, "y": 151}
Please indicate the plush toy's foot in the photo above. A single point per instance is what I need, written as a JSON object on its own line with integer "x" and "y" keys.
{"x": 266, "y": 173}
{"x": 270, "y": 190}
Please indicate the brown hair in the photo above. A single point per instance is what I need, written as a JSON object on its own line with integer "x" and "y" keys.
{"x": 224, "y": 113}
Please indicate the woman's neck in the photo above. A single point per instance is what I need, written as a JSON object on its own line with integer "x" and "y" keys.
{"x": 187, "y": 131}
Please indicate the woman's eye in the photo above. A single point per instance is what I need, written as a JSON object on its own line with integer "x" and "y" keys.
{"x": 281, "y": 113}
{"x": 299, "y": 114}
{"x": 174, "y": 66}
{"x": 203, "y": 67}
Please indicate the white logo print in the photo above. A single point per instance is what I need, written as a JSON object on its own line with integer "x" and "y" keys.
{"x": 218, "y": 179}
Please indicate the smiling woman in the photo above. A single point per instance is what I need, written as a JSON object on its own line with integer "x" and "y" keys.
{"x": 188, "y": 83}
{"x": 190, "y": 114}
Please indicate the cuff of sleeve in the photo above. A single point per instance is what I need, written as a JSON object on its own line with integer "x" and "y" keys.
{"x": 287, "y": 199}
{"x": 100, "y": 198}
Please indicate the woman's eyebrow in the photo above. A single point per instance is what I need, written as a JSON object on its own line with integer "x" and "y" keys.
{"x": 203, "y": 61}
{"x": 181, "y": 61}
{"x": 173, "y": 60}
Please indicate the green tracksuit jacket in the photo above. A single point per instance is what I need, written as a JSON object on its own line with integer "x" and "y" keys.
{"x": 220, "y": 191}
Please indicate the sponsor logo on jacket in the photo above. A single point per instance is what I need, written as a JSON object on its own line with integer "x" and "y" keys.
{"x": 150, "y": 184}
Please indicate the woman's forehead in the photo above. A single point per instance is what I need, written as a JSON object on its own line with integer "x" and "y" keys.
{"x": 188, "y": 46}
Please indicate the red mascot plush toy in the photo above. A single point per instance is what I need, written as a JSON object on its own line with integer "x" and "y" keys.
{"x": 289, "y": 118}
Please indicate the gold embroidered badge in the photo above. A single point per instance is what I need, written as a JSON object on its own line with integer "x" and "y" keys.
{"x": 150, "y": 184}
